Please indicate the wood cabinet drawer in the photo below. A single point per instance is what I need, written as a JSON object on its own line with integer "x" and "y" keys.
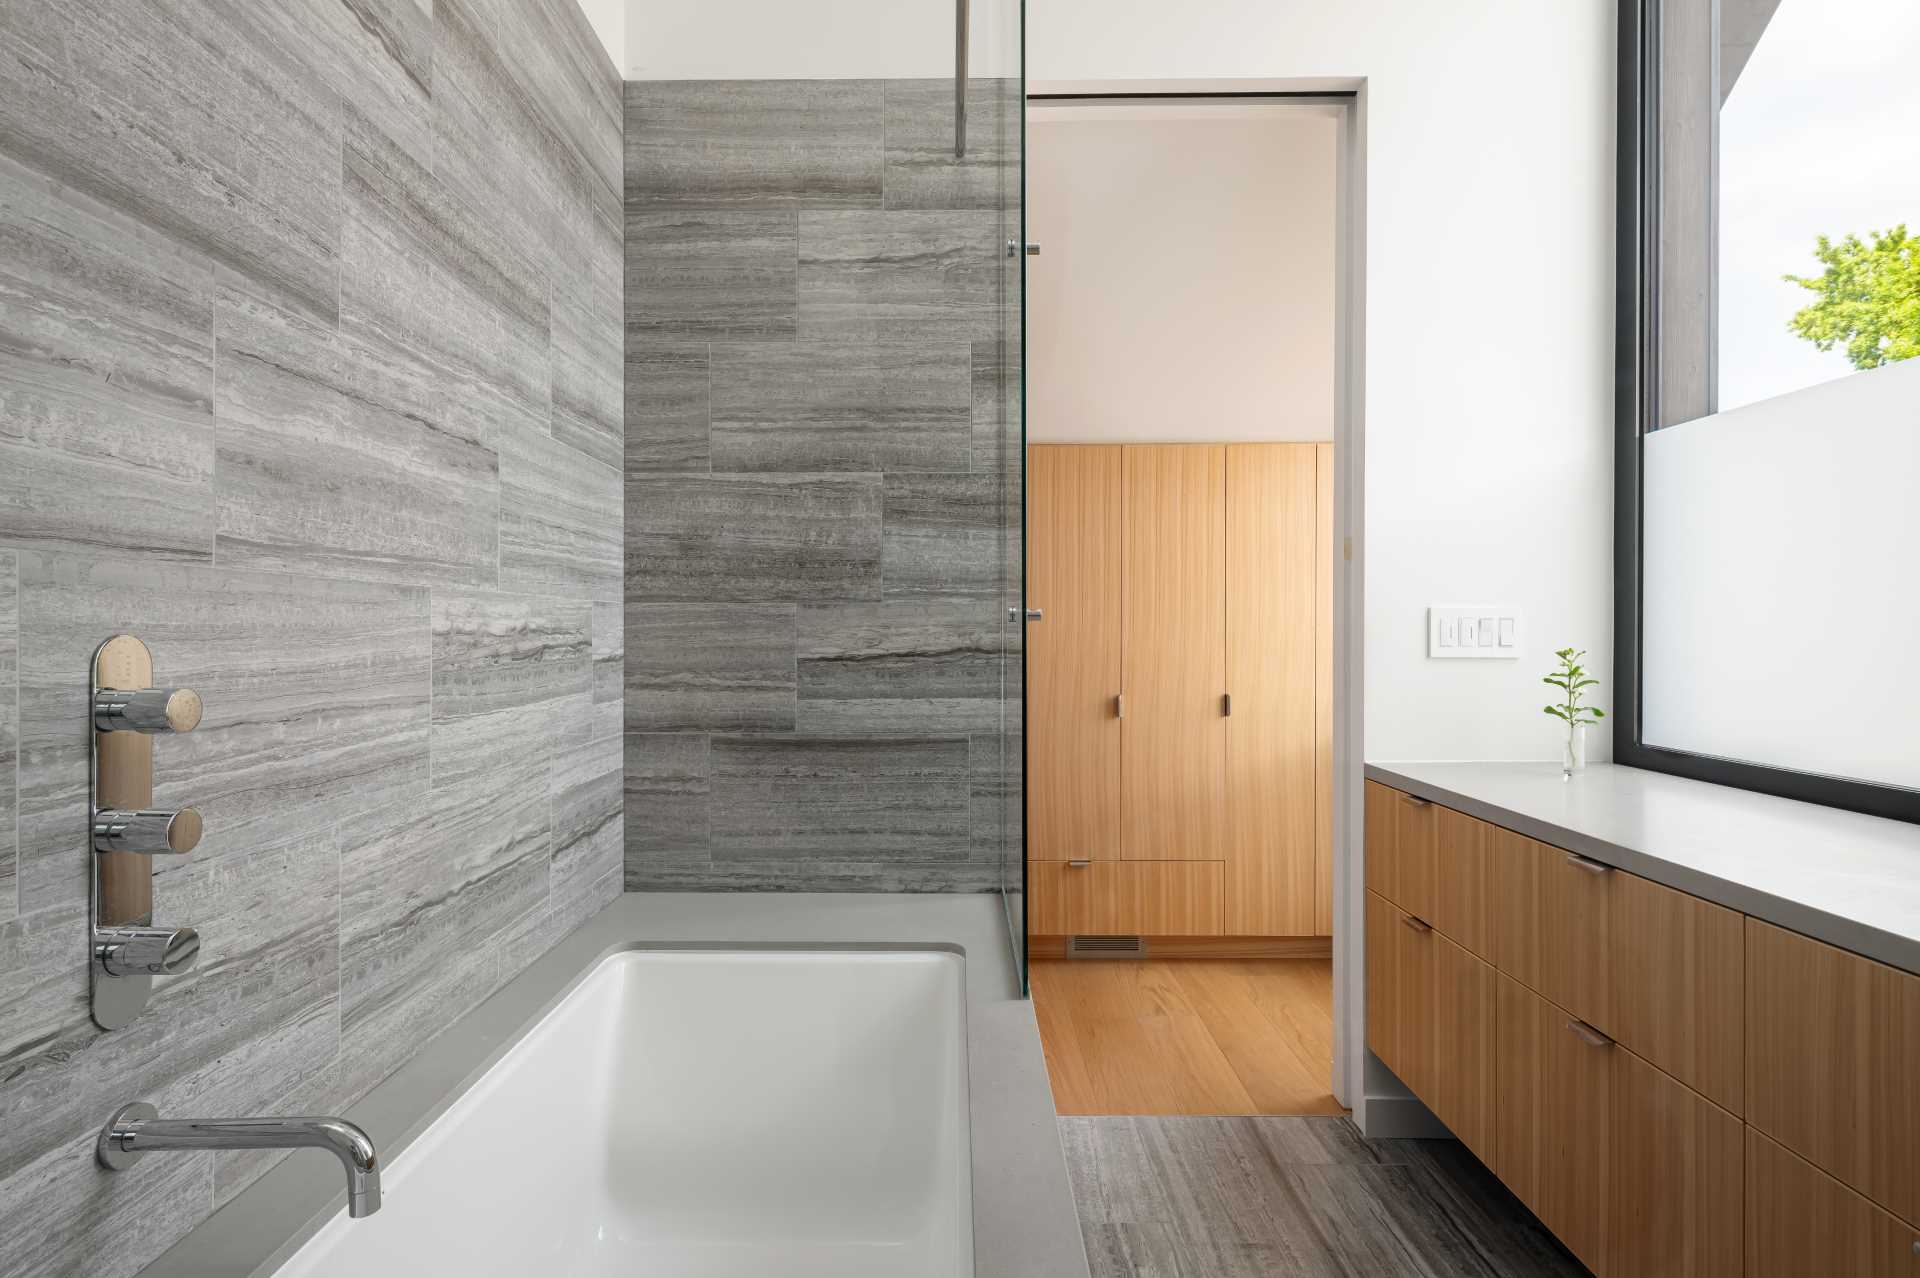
{"x": 1832, "y": 1070}
{"x": 1801, "y": 1221}
{"x": 1674, "y": 1201}
{"x": 1462, "y": 899}
{"x": 1430, "y": 1019}
{"x": 1465, "y": 992}
{"x": 1401, "y": 856}
{"x": 1553, "y": 1080}
{"x": 1678, "y": 979}
{"x": 1145, "y": 898}
{"x": 1551, "y": 924}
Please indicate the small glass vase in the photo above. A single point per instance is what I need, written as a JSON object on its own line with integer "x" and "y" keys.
{"x": 1573, "y": 752}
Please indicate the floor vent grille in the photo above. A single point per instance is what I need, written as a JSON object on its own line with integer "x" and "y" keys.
{"x": 1106, "y": 947}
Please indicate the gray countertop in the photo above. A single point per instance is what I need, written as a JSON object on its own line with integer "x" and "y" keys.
{"x": 1024, "y": 1223}
{"x": 1844, "y": 878}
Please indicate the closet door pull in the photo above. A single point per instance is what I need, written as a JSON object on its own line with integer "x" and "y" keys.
{"x": 1119, "y": 705}
{"x": 1226, "y": 704}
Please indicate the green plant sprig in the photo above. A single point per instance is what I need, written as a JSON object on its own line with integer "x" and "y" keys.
{"x": 1572, "y": 679}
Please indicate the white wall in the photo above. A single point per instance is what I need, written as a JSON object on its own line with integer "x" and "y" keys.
{"x": 1185, "y": 288}
{"x": 1489, "y": 315}
{"x": 801, "y": 39}
{"x": 1780, "y": 606}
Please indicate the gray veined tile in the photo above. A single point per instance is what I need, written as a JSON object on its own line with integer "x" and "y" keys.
{"x": 753, "y": 538}
{"x": 560, "y": 519}
{"x": 9, "y": 730}
{"x": 256, "y": 1015}
{"x": 922, "y": 170}
{"x": 492, "y": 150}
{"x": 942, "y": 535}
{"x": 65, "y": 1214}
{"x": 425, "y": 887}
{"x": 926, "y": 668}
{"x": 874, "y": 799}
{"x": 509, "y": 672}
{"x": 193, "y": 119}
{"x": 609, "y": 669}
{"x": 667, "y": 795}
{"x": 997, "y": 407}
{"x": 820, "y": 406}
{"x": 571, "y": 90}
{"x": 589, "y": 365}
{"x": 316, "y": 696}
{"x": 899, "y": 276}
{"x": 587, "y": 796}
{"x": 667, "y": 413}
{"x": 377, "y": 54}
{"x": 332, "y": 460}
{"x": 995, "y": 812}
{"x": 871, "y": 871}
{"x": 426, "y": 279}
{"x": 695, "y": 667}
{"x": 725, "y": 276}
{"x": 764, "y": 143}
{"x": 106, "y": 377}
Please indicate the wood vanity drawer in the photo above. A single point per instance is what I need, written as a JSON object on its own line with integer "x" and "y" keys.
{"x": 1463, "y": 893}
{"x": 1678, "y": 979}
{"x": 1430, "y": 1019}
{"x": 1554, "y": 1086}
{"x": 1401, "y": 852}
{"x": 1801, "y": 1221}
{"x": 1674, "y": 1200}
{"x": 1833, "y": 1062}
{"x": 1109, "y": 898}
{"x": 1551, "y": 924}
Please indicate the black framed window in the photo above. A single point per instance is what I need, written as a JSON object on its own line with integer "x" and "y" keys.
{"x": 1767, "y": 488}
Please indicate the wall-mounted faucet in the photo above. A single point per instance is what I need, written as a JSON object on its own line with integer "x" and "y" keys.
{"x": 138, "y": 1129}
{"x": 125, "y": 832}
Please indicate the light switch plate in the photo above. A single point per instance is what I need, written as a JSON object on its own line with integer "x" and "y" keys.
{"x": 1480, "y": 632}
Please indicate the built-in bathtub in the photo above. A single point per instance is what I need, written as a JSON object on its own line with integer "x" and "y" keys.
{"x": 710, "y": 1113}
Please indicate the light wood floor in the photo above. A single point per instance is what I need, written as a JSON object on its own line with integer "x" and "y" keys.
{"x": 1187, "y": 1036}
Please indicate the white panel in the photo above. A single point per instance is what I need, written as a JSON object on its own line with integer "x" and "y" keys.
{"x": 1782, "y": 610}
{"x": 1185, "y": 288}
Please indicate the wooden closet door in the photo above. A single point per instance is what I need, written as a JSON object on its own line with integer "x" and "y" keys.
{"x": 1174, "y": 752}
{"x": 1272, "y": 641}
{"x": 1075, "y": 546}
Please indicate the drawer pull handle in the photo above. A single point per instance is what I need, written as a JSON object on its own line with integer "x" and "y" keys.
{"x": 1418, "y": 925}
{"x": 1414, "y": 800}
{"x": 1589, "y": 1035}
{"x": 1080, "y": 864}
{"x": 1588, "y": 864}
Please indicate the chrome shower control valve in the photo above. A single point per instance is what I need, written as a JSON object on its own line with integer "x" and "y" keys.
{"x": 146, "y": 951}
{"x": 146, "y": 710}
{"x": 150, "y": 833}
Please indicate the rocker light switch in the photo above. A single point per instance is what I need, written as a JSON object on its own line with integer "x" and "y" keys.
{"x": 1476, "y": 633}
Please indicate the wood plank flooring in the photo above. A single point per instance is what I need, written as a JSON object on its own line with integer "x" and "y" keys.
{"x": 1252, "y": 1197}
{"x": 1188, "y": 1036}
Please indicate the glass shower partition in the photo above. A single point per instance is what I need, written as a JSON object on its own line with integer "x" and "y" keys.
{"x": 996, "y": 108}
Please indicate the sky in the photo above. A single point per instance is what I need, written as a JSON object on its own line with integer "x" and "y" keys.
{"x": 1820, "y": 136}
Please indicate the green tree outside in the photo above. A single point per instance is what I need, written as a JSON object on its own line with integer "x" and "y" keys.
{"x": 1868, "y": 298}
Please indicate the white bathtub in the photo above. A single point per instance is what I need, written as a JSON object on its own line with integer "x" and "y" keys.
{"x": 698, "y": 1114}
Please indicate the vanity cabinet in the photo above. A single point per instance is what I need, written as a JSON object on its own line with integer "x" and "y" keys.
{"x": 1674, "y": 1088}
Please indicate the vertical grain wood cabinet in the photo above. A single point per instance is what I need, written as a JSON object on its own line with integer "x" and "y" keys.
{"x": 1181, "y": 688}
{"x": 1580, "y": 1029}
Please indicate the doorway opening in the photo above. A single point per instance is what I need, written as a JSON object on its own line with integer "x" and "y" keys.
{"x": 1186, "y": 334}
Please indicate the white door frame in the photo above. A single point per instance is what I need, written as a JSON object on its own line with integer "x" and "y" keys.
{"x": 1349, "y": 96}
